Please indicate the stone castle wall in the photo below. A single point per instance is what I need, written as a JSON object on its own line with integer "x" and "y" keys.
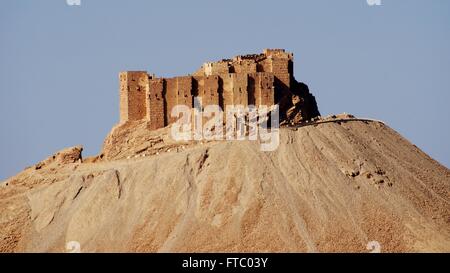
{"x": 260, "y": 79}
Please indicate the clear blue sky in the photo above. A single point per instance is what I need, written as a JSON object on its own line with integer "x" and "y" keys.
{"x": 59, "y": 63}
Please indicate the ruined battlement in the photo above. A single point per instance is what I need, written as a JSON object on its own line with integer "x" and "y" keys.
{"x": 271, "y": 60}
{"x": 256, "y": 79}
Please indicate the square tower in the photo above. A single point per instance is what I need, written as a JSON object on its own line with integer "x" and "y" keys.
{"x": 133, "y": 89}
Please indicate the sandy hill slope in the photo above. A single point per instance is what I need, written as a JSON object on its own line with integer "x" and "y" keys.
{"x": 333, "y": 186}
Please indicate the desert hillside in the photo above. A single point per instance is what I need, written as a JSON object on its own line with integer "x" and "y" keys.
{"x": 332, "y": 186}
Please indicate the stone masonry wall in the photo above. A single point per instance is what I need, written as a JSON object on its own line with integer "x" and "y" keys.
{"x": 210, "y": 92}
{"x": 155, "y": 104}
{"x": 240, "y": 94}
{"x": 266, "y": 87}
{"x": 184, "y": 91}
{"x": 170, "y": 98}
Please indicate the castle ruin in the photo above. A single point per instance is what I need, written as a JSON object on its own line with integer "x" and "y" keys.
{"x": 257, "y": 79}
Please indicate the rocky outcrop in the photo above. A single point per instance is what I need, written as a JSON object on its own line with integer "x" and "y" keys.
{"x": 298, "y": 106}
{"x": 65, "y": 156}
{"x": 334, "y": 186}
